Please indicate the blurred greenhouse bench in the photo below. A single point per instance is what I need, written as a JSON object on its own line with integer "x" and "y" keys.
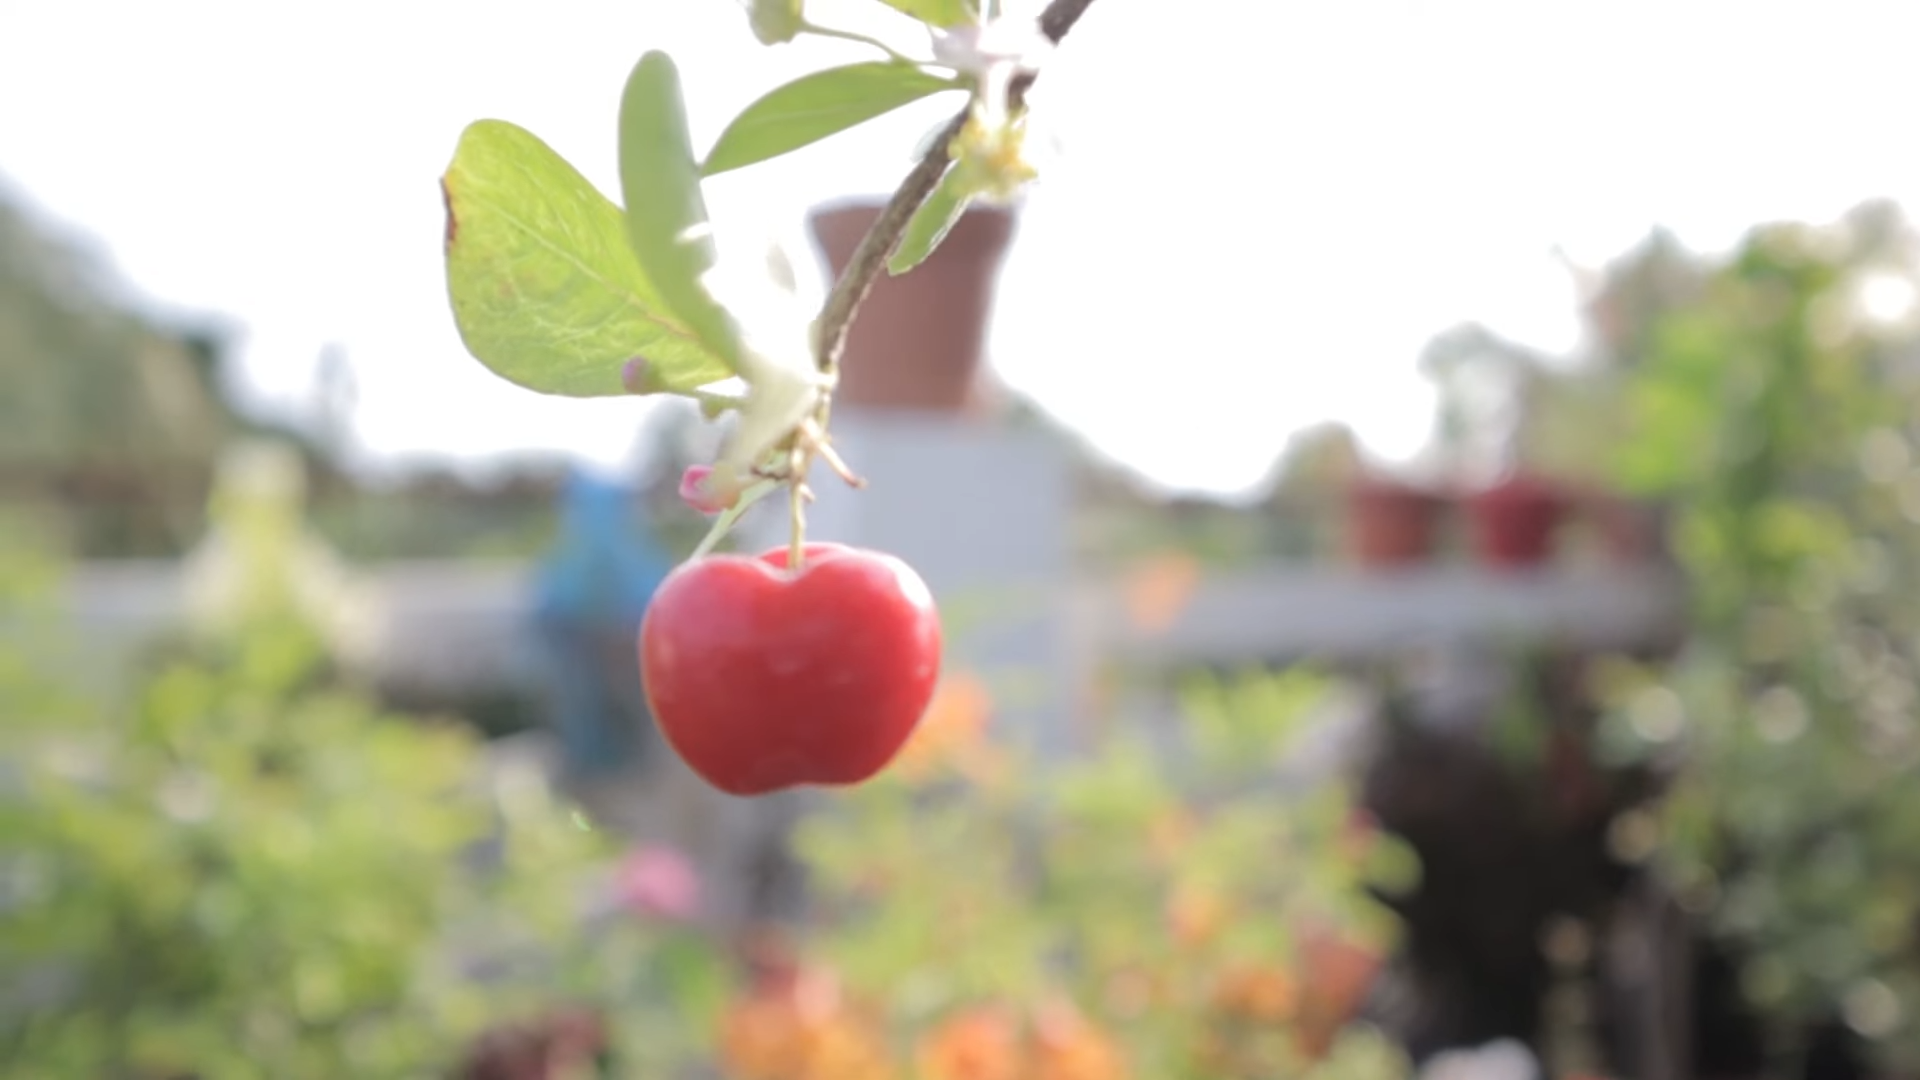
{"x": 453, "y": 630}
{"x": 468, "y": 625}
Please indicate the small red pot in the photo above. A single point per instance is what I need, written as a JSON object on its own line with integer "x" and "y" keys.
{"x": 1516, "y": 522}
{"x": 1391, "y": 524}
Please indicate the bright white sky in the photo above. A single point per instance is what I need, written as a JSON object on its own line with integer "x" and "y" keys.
{"x": 1260, "y": 212}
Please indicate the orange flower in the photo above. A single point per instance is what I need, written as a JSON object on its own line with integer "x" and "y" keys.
{"x": 1157, "y": 590}
{"x": 1339, "y": 974}
{"x": 777, "y": 1031}
{"x": 1265, "y": 994}
{"x": 1069, "y": 1047}
{"x": 763, "y": 1039}
{"x": 952, "y": 734}
{"x": 1195, "y": 915}
{"x": 844, "y": 1049}
{"x": 977, "y": 1044}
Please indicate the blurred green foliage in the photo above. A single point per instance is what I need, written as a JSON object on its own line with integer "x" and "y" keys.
{"x": 1197, "y": 901}
{"x": 242, "y": 868}
{"x": 1778, "y": 407}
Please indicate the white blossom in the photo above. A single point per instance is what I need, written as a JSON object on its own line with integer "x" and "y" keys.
{"x": 783, "y": 387}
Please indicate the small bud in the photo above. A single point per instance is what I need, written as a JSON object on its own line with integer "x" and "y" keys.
{"x": 991, "y": 159}
{"x": 702, "y": 490}
{"x": 776, "y": 22}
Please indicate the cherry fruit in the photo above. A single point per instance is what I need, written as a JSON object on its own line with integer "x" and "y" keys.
{"x": 764, "y": 678}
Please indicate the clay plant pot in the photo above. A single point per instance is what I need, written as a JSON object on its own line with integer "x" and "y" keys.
{"x": 919, "y": 340}
{"x": 1516, "y": 521}
{"x": 1392, "y": 524}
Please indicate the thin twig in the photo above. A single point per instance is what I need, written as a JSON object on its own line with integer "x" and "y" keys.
{"x": 876, "y": 247}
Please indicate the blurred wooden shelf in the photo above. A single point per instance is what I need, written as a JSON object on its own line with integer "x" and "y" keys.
{"x": 1290, "y": 611}
{"x": 451, "y": 626}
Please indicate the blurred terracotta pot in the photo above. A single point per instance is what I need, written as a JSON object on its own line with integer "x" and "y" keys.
{"x": 919, "y": 341}
{"x": 1391, "y": 524}
{"x": 1516, "y": 521}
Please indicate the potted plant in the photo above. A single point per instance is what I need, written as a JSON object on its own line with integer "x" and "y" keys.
{"x": 1392, "y": 523}
{"x": 920, "y": 340}
{"x": 1508, "y": 421}
{"x": 1515, "y": 521}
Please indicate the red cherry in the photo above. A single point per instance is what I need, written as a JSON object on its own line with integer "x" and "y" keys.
{"x": 763, "y": 678}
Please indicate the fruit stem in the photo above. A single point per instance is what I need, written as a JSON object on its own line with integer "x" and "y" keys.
{"x": 797, "y": 509}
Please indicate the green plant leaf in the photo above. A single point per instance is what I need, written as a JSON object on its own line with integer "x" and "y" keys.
{"x": 545, "y": 289}
{"x": 941, "y": 13}
{"x": 931, "y": 223}
{"x": 816, "y": 106}
{"x": 666, "y": 213}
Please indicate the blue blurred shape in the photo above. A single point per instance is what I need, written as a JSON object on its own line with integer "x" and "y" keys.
{"x": 590, "y": 591}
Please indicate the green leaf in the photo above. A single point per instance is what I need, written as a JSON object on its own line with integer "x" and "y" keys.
{"x": 666, "y": 213}
{"x": 931, "y": 223}
{"x": 816, "y": 106}
{"x": 545, "y": 289}
{"x": 941, "y": 13}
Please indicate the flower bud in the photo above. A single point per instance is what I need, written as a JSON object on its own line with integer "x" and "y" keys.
{"x": 707, "y": 492}
{"x": 775, "y": 22}
{"x": 990, "y": 158}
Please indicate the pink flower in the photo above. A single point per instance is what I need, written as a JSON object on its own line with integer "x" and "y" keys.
{"x": 658, "y": 882}
{"x": 698, "y": 490}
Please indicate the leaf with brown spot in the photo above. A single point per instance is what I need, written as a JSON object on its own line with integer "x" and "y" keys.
{"x": 545, "y": 288}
